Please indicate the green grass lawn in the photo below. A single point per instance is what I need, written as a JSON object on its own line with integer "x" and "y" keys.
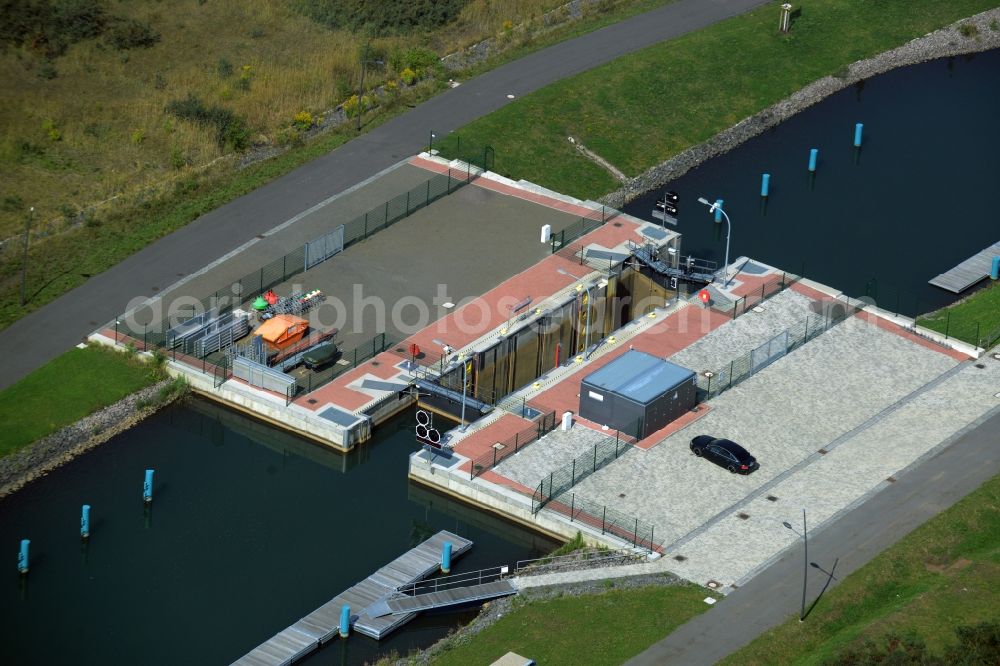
{"x": 647, "y": 107}
{"x": 65, "y": 390}
{"x": 975, "y": 320}
{"x": 944, "y": 574}
{"x": 594, "y": 629}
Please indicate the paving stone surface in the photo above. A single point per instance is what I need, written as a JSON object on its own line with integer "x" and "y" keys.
{"x": 555, "y": 450}
{"x": 782, "y": 415}
{"x": 729, "y": 550}
{"x": 746, "y": 332}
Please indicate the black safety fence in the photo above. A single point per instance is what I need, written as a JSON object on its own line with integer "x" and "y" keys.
{"x": 775, "y": 284}
{"x": 711, "y": 384}
{"x": 962, "y": 322}
{"x": 584, "y": 225}
{"x": 310, "y": 381}
{"x": 141, "y": 329}
{"x": 501, "y": 450}
{"x": 604, "y": 452}
{"x": 452, "y": 146}
{"x": 627, "y": 527}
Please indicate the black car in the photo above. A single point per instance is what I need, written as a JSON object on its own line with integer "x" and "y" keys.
{"x": 724, "y": 453}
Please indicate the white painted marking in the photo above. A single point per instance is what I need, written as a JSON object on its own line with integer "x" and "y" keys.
{"x": 710, "y": 601}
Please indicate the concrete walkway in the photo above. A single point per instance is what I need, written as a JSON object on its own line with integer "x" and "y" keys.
{"x": 51, "y": 330}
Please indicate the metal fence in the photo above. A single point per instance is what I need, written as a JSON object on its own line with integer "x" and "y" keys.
{"x": 586, "y": 558}
{"x": 768, "y": 289}
{"x": 501, "y": 450}
{"x": 639, "y": 533}
{"x": 587, "y": 223}
{"x": 561, "y": 480}
{"x": 147, "y": 337}
{"x": 981, "y": 331}
{"x": 311, "y": 381}
{"x": 711, "y": 384}
{"x": 452, "y": 146}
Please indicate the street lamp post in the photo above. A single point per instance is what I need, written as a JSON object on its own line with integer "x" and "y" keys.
{"x": 805, "y": 560}
{"x": 712, "y": 207}
{"x": 24, "y": 266}
{"x": 430, "y": 143}
{"x": 361, "y": 93}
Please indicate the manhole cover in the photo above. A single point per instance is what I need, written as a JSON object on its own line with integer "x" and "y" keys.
{"x": 375, "y": 363}
{"x": 772, "y": 498}
{"x": 714, "y": 584}
{"x": 742, "y": 516}
{"x": 621, "y": 494}
{"x": 312, "y": 401}
{"x": 980, "y": 366}
{"x": 399, "y": 350}
{"x": 822, "y": 452}
{"x": 679, "y": 558}
{"x": 616, "y": 224}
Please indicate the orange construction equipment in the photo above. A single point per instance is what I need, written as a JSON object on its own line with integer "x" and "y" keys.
{"x": 283, "y": 330}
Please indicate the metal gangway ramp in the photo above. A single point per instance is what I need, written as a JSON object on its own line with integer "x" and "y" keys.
{"x": 323, "y": 624}
{"x": 447, "y": 591}
{"x": 969, "y": 272}
{"x": 646, "y": 254}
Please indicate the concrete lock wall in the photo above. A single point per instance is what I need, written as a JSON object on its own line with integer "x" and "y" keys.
{"x": 484, "y": 495}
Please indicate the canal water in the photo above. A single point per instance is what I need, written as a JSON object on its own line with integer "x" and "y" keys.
{"x": 250, "y": 530}
{"x": 916, "y": 201}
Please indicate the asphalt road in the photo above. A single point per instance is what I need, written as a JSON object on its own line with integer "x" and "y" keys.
{"x": 47, "y": 332}
{"x": 776, "y": 593}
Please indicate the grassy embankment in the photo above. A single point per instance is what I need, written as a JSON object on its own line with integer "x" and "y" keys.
{"x": 596, "y": 629}
{"x": 975, "y": 320}
{"x": 87, "y": 124}
{"x": 647, "y": 107}
{"x": 944, "y": 574}
{"x": 66, "y": 389}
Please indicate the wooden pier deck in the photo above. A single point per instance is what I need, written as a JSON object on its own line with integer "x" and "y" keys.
{"x": 324, "y": 623}
{"x": 969, "y": 272}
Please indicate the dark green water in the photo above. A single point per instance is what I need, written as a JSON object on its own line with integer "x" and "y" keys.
{"x": 250, "y": 530}
{"x": 919, "y": 199}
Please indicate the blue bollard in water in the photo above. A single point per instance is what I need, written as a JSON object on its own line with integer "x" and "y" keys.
{"x": 22, "y": 557}
{"x": 813, "y": 154}
{"x": 446, "y": 557}
{"x": 995, "y": 268}
{"x": 85, "y": 522}
{"x": 345, "y": 621}
{"x": 718, "y": 211}
{"x": 147, "y": 487}
{"x": 765, "y": 184}
{"x": 858, "y": 129}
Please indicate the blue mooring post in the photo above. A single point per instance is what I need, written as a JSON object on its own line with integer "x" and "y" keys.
{"x": 446, "y": 557}
{"x": 813, "y": 154}
{"x": 718, "y": 211}
{"x": 765, "y": 184}
{"x": 995, "y": 268}
{"x": 858, "y": 129}
{"x": 345, "y": 621}
{"x": 147, "y": 487}
{"x": 22, "y": 557}
{"x": 85, "y": 522}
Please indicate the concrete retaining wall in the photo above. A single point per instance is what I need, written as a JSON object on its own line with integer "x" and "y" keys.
{"x": 490, "y": 497}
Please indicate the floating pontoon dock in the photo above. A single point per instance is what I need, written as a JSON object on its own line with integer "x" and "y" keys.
{"x": 969, "y": 272}
{"x": 323, "y": 624}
